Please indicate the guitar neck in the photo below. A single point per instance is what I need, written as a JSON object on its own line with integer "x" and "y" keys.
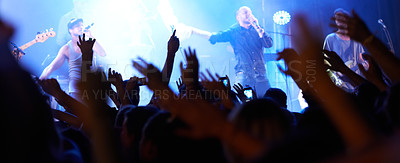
{"x": 27, "y": 45}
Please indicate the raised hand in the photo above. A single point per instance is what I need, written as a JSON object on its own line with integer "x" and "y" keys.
{"x": 179, "y": 83}
{"x": 212, "y": 80}
{"x": 354, "y": 26}
{"x": 86, "y": 47}
{"x": 290, "y": 57}
{"x": 173, "y": 43}
{"x": 88, "y": 33}
{"x": 240, "y": 92}
{"x": 204, "y": 119}
{"x": 335, "y": 62}
{"x": 115, "y": 78}
{"x": 97, "y": 118}
{"x": 181, "y": 87}
{"x": 190, "y": 74}
{"x": 228, "y": 85}
{"x": 154, "y": 76}
{"x": 132, "y": 83}
{"x": 132, "y": 87}
{"x": 358, "y": 30}
{"x": 229, "y": 82}
{"x": 373, "y": 73}
{"x": 198, "y": 114}
{"x": 341, "y": 109}
{"x": 51, "y": 86}
{"x": 173, "y": 46}
{"x": 213, "y": 84}
{"x": 293, "y": 63}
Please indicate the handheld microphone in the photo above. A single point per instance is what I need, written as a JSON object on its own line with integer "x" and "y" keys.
{"x": 380, "y": 21}
{"x": 89, "y": 26}
{"x": 255, "y": 24}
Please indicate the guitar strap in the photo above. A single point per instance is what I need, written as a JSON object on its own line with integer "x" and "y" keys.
{"x": 352, "y": 56}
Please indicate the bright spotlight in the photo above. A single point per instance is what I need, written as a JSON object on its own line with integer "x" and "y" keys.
{"x": 281, "y": 17}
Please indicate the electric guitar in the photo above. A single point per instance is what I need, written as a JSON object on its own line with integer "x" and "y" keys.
{"x": 40, "y": 37}
{"x": 336, "y": 78}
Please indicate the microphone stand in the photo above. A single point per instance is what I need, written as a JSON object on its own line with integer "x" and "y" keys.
{"x": 388, "y": 38}
{"x": 385, "y": 78}
{"x": 45, "y": 59}
{"x": 285, "y": 34}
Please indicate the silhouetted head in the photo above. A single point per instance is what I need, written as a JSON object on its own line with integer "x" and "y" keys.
{"x": 262, "y": 119}
{"x": 278, "y": 96}
{"x": 160, "y": 143}
{"x": 134, "y": 120}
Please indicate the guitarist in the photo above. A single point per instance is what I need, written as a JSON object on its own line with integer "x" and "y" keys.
{"x": 71, "y": 52}
{"x": 349, "y": 50}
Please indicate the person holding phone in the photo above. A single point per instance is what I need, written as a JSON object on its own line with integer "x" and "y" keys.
{"x": 248, "y": 92}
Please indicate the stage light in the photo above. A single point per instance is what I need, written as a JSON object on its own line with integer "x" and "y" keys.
{"x": 281, "y": 17}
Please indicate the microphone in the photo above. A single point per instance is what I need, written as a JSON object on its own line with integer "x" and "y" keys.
{"x": 380, "y": 21}
{"x": 89, "y": 26}
{"x": 255, "y": 24}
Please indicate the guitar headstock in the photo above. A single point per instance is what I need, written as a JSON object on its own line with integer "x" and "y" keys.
{"x": 43, "y": 36}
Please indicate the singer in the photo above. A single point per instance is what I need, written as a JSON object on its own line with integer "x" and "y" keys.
{"x": 248, "y": 40}
{"x": 81, "y": 9}
{"x": 72, "y": 53}
{"x": 349, "y": 51}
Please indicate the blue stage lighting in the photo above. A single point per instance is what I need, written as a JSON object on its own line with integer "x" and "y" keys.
{"x": 281, "y": 17}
